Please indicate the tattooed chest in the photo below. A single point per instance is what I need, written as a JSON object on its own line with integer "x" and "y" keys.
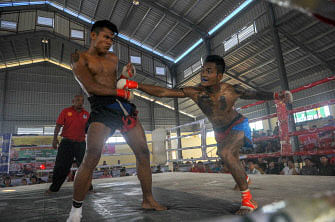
{"x": 210, "y": 104}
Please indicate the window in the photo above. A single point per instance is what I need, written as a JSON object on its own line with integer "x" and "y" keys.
{"x": 246, "y": 32}
{"x": 256, "y": 125}
{"x": 77, "y": 34}
{"x": 196, "y": 66}
{"x": 160, "y": 71}
{"x": 30, "y": 130}
{"x": 116, "y": 139}
{"x": 46, "y": 130}
{"x": 193, "y": 68}
{"x": 230, "y": 43}
{"x": 240, "y": 36}
{"x": 135, "y": 59}
{"x": 8, "y": 25}
{"x": 45, "y": 21}
{"x": 311, "y": 114}
{"x": 187, "y": 72}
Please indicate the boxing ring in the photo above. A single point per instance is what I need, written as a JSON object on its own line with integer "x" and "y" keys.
{"x": 190, "y": 196}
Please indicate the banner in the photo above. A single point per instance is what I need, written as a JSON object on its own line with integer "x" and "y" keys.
{"x": 5, "y": 144}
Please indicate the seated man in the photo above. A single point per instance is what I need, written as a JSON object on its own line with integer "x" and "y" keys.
{"x": 217, "y": 100}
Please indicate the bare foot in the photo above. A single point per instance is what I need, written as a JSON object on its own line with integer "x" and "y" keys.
{"x": 236, "y": 188}
{"x": 152, "y": 205}
{"x": 244, "y": 210}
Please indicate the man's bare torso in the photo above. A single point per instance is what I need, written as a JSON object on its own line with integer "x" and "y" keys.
{"x": 102, "y": 69}
{"x": 217, "y": 105}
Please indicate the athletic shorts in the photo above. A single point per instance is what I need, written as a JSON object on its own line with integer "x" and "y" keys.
{"x": 107, "y": 110}
{"x": 239, "y": 123}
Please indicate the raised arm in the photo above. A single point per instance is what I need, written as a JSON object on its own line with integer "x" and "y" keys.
{"x": 285, "y": 96}
{"x": 85, "y": 79}
{"x": 161, "y": 91}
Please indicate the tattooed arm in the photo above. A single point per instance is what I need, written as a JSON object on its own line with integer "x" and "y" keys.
{"x": 85, "y": 79}
{"x": 165, "y": 92}
{"x": 252, "y": 94}
{"x": 285, "y": 96}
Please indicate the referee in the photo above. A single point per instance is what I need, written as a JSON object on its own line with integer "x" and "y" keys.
{"x": 73, "y": 120}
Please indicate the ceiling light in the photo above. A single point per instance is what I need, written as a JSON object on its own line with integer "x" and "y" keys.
{"x": 136, "y": 2}
{"x": 45, "y": 41}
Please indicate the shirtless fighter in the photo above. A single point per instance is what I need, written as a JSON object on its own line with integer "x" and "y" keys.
{"x": 216, "y": 100}
{"x": 95, "y": 70}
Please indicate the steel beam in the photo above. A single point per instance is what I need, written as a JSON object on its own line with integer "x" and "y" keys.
{"x": 112, "y": 11}
{"x": 306, "y": 49}
{"x": 140, "y": 23}
{"x": 152, "y": 30}
{"x": 166, "y": 35}
{"x": 167, "y": 11}
{"x": 127, "y": 17}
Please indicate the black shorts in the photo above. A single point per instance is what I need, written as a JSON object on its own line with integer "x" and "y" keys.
{"x": 106, "y": 110}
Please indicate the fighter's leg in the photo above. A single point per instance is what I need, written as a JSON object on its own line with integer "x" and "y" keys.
{"x": 138, "y": 143}
{"x": 228, "y": 150}
{"x": 96, "y": 137}
{"x": 237, "y": 156}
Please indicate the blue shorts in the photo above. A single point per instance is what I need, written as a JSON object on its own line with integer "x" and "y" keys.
{"x": 240, "y": 123}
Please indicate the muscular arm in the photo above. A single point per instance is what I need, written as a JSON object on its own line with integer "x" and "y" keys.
{"x": 161, "y": 91}
{"x": 252, "y": 94}
{"x": 85, "y": 78}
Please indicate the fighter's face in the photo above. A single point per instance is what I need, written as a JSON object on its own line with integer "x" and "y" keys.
{"x": 210, "y": 75}
{"x": 103, "y": 41}
{"x": 78, "y": 102}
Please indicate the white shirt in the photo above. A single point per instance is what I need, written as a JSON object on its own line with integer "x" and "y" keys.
{"x": 288, "y": 171}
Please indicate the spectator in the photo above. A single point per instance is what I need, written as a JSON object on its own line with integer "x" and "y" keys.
{"x": 282, "y": 163}
{"x": 24, "y": 181}
{"x": 217, "y": 167}
{"x": 314, "y": 127}
{"x": 104, "y": 163}
{"x": 7, "y": 182}
{"x": 252, "y": 168}
{"x": 123, "y": 172}
{"x": 309, "y": 168}
{"x": 158, "y": 169}
{"x": 175, "y": 166}
{"x": 26, "y": 171}
{"x": 194, "y": 168}
{"x": 208, "y": 169}
{"x": 272, "y": 169}
{"x": 49, "y": 178}
{"x": 325, "y": 169}
{"x": 201, "y": 167}
{"x": 276, "y": 129}
{"x": 106, "y": 174}
{"x": 33, "y": 180}
{"x": 290, "y": 169}
{"x": 262, "y": 163}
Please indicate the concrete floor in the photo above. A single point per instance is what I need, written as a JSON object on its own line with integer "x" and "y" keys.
{"x": 189, "y": 197}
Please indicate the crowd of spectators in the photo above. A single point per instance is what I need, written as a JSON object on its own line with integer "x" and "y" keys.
{"x": 308, "y": 141}
{"x": 29, "y": 176}
{"x": 315, "y": 165}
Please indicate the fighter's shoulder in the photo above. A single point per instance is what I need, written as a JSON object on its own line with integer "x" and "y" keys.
{"x": 229, "y": 87}
{"x": 79, "y": 56}
{"x": 112, "y": 56}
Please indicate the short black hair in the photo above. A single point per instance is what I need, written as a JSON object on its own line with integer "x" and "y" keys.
{"x": 219, "y": 62}
{"x": 99, "y": 25}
